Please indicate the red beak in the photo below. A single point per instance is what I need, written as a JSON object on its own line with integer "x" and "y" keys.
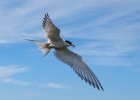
{"x": 72, "y": 45}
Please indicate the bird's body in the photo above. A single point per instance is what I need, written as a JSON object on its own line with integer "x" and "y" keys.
{"x": 58, "y": 44}
{"x": 62, "y": 53}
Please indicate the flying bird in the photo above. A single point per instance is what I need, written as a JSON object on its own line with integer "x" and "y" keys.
{"x": 62, "y": 53}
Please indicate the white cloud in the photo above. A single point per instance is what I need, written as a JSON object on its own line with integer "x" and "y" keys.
{"x": 14, "y": 81}
{"x": 52, "y": 85}
{"x": 7, "y": 73}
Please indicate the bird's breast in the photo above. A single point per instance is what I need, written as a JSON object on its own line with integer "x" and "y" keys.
{"x": 58, "y": 44}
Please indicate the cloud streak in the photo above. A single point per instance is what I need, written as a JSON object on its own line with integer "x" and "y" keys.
{"x": 52, "y": 85}
{"x": 8, "y": 72}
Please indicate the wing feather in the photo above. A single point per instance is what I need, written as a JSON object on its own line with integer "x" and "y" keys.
{"x": 79, "y": 66}
{"x": 51, "y": 31}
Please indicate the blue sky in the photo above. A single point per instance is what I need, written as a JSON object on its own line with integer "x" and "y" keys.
{"x": 106, "y": 35}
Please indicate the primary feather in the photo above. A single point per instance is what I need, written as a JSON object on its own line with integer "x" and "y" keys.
{"x": 78, "y": 65}
{"x": 51, "y": 31}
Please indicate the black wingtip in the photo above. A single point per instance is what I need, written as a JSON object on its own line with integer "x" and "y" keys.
{"x": 46, "y": 16}
{"x": 46, "y": 19}
{"x": 102, "y": 88}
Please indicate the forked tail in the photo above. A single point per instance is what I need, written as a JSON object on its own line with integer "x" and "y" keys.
{"x": 42, "y": 46}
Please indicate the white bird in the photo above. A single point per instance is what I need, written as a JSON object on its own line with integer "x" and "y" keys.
{"x": 52, "y": 33}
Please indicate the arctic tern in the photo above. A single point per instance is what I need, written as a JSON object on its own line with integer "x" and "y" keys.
{"x": 62, "y": 53}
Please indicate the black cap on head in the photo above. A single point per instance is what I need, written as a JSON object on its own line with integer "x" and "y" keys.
{"x": 68, "y": 42}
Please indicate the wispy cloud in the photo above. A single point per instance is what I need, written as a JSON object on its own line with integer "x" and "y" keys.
{"x": 52, "y": 85}
{"x": 14, "y": 81}
{"x": 7, "y": 73}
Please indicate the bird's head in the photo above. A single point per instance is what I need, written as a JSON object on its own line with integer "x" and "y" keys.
{"x": 69, "y": 43}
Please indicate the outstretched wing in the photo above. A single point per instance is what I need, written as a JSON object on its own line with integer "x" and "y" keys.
{"x": 78, "y": 65}
{"x": 51, "y": 31}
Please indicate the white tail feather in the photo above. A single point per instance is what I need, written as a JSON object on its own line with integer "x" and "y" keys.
{"x": 42, "y": 46}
